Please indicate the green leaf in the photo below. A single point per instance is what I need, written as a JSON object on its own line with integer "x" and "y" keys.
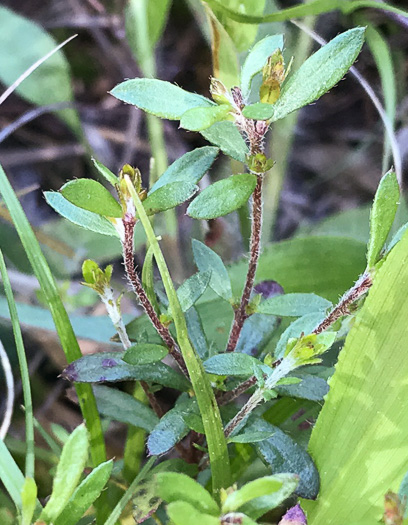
{"x": 108, "y": 366}
{"x": 256, "y": 60}
{"x": 256, "y": 333}
{"x": 191, "y": 167}
{"x": 310, "y": 387}
{"x": 250, "y": 437}
{"x": 223, "y": 197}
{"x": 29, "y": 501}
{"x": 90, "y": 195}
{"x": 382, "y": 215}
{"x": 86, "y": 494}
{"x": 281, "y": 454}
{"x": 260, "y": 506}
{"x": 143, "y": 354}
{"x": 207, "y": 260}
{"x": 362, "y": 427}
{"x": 225, "y": 136}
{"x": 231, "y": 364}
{"x": 119, "y": 406}
{"x": 157, "y": 13}
{"x": 59, "y": 315}
{"x": 198, "y": 119}
{"x": 69, "y": 470}
{"x": 148, "y": 279}
{"x": 304, "y": 325}
{"x": 224, "y": 53}
{"x": 254, "y": 489}
{"x": 196, "y": 332}
{"x": 105, "y": 172}
{"x": 294, "y": 305}
{"x": 181, "y": 512}
{"x": 171, "y": 427}
{"x": 24, "y": 42}
{"x": 323, "y": 70}
{"x": 85, "y": 219}
{"x": 169, "y": 196}
{"x": 172, "y": 486}
{"x": 158, "y": 97}
{"x": 145, "y": 499}
{"x": 192, "y": 289}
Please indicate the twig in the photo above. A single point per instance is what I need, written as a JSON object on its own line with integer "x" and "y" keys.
{"x": 227, "y": 397}
{"x": 10, "y": 392}
{"x": 256, "y": 228}
{"x": 128, "y": 257}
{"x": 342, "y": 308}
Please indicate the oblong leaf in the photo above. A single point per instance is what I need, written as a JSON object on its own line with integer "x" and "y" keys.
{"x": 231, "y": 364}
{"x": 105, "y": 172}
{"x": 169, "y": 196}
{"x": 191, "y": 167}
{"x": 225, "y": 136}
{"x": 173, "y": 486}
{"x": 192, "y": 289}
{"x": 223, "y": 197}
{"x": 144, "y": 353}
{"x": 283, "y": 455}
{"x": 158, "y": 97}
{"x": 69, "y": 470}
{"x": 294, "y": 305}
{"x": 254, "y": 489}
{"x": 256, "y": 60}
{"x": 171, "y": 427}
{"x": 323, "y": 70}
{"x": 90, "y": 195}
{"x": 87, "y": 492}
{"x": 109, "y": 366}
{"x": 207, "y": 260}
{"x": 120, "y": 406}
{"x": 85, "y": 219}
{"x": 382, "y": 215}
{"x": 198, "y": 119}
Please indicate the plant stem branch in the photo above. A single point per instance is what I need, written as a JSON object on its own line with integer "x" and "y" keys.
{"x": 128, "y": 257}
{"x": 240, "y": 313}
{"x": 217, "y": 445}
{"x": 227, "y": 397}
{"x": 342, "y": 308}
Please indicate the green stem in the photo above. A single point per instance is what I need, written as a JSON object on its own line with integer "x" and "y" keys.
{"x": 135, "y": 442}
{"x": 127, "y": 496}
{"x": 217, "y": 445}
{"x": 25, "y": 375}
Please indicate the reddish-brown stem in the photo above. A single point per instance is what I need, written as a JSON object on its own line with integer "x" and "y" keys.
{"x": 163, "y": 331}
{"x": 227, "y": 397}
{"x": 240, "y": 312}
{"x": 152, "y": 399}
{"x": 342, "y": 308}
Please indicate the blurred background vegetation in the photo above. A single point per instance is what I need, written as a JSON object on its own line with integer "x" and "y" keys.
{"x": 329, "y": 156}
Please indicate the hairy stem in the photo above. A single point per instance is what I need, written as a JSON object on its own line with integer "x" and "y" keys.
{"x": 217, "y": 445}
{"x": 163, "y": 331}
{"x": 227, "y": 397}
{"x": 240, "y": 313}
{"x": 342, "y": 308}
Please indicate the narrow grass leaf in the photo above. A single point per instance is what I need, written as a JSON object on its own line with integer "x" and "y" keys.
{"x": 294, "y": 305}
{"x": 256, "y": 60}
{"x": 80, "y": 217}
{"x": 191, "y": 167}
{"x": 223, "y": 197}
{"x": 169, "y": 196}
{"x": 85, "y": 494}
{"x": 120, "y": 406}
{"x": 69, "y": 470}
{"x": 382, "y": 215}
{"x": 29, "y": 501}
{"x": 90, "y": 195}
{"x": 158, "y": 97}
{"x": 225, "y": 136}
{"x": 207, "y": 260}
{"x": 11, "y": 476}
{"x": 224, "y": 53}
